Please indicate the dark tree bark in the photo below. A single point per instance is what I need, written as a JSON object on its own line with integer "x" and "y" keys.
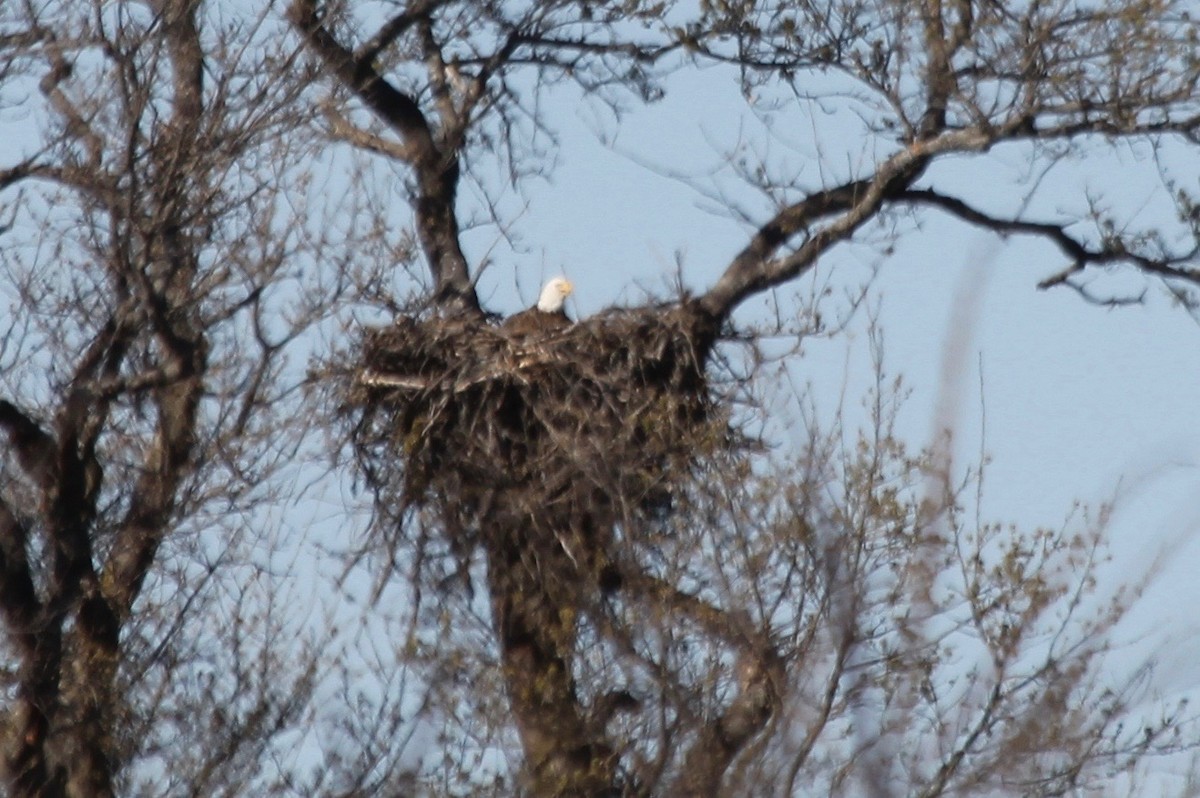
{"x": 535, "y": 614}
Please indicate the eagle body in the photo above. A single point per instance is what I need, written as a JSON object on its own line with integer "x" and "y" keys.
{"x": 547, "y": 316}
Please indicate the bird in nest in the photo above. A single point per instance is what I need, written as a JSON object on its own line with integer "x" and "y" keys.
{"x": 548, "y": 315}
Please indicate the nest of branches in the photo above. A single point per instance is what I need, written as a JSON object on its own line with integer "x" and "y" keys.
{"x": 562, "y": 434}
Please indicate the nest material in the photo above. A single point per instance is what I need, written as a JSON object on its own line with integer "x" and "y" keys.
{"x": 574, "y": 429}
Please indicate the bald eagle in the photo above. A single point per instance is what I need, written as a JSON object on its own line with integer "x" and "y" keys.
{"x": 547, "y": 316}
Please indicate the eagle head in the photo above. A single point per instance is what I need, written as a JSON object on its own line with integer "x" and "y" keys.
{"x": 554, "y": 294}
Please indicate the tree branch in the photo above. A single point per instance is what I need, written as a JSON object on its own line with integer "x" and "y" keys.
{"x": 393, "y": 29}
{"x": 761, "y": 676}
{"x": 39, "y": 650}
{"x": 760, "y": 679}
{"x": 756, "y": 269}
{"x": 1080, "y": 255}
{"x": 92, "y": 183}
{"x": 437, "y": 170}
{"x": 939, "y": 79}
{"x": 34, "y": 446}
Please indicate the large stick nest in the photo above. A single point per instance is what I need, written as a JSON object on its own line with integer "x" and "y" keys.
{"x": 582, "y": 426}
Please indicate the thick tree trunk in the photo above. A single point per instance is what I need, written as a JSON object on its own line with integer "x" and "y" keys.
{"x": 535, "y": 602}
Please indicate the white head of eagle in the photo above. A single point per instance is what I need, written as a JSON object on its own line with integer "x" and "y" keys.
{"x": 554, "y": 293}
{"x": 547, "y": 316}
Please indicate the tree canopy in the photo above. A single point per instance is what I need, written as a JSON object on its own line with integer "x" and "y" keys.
{"x": 580, "y": 568}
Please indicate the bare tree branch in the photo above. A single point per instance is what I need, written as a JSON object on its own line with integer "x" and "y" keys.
{"x": 436, "y": 167}
{"x": 672, "y": 606}
{"x": 1080, "y": 254}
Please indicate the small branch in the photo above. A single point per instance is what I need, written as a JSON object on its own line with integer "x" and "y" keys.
{"x": 453, "y": 124}
{"x": 1078, "y": 253}
{"x": 761, "y": 676}
{"x": 951, "y": 764}
{"x": 376, "y": 380}
{"x": 1106, "y": 124}
{"x": 343, "y": 129}
{"x": 644, "y": 54}
{"x": 77, "y": 126}
{"x": 94, "y": 184}
{"x": 938, "y": 77}
{"x": 395, "y": 27}
{"x": 508, "y": 369}
{"x": 15, "y": 174}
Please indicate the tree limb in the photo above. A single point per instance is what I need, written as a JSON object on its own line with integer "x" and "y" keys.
{"x": 39, "y": 649}
{"x": 760, "y": 679}
{"x": 436, "y": 168}
{"x": 756, "y": 268}
{"x": 1080, "y": 255}
{"x": 34, "y": 446}
{"x": 393, "y": 29}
